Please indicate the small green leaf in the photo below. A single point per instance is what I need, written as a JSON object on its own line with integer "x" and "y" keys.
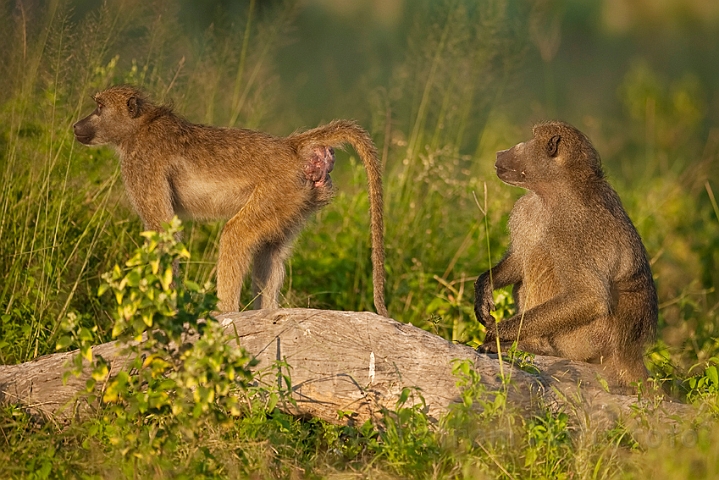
{"x": 713, "y": 375}
{"x": 272, "y": 401}
{"x": 166, "y": 279}
{"x": 100, "y": 372}
{"x": 117, "y": 329}
{"x": 86, "y": 352}
{"x": 134, "y": 278}
{"x": 85, "y": 335}
{"x": 63, "y": 342}
{"x": 403, "y": 397}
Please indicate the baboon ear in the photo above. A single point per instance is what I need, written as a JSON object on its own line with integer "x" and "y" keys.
{"x": 133, "y": 106}
{"x": 553, "y": 145}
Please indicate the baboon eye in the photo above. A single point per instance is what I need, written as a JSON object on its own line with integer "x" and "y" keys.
{"x": 553, "y": 145}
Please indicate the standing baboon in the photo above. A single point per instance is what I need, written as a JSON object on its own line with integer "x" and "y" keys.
{"x": 266, "y": 186}
{"x": 582, "y": 283}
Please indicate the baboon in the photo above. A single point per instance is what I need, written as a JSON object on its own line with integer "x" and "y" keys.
{"x": 265, "y": 186}
{"x": 581, "y": 280}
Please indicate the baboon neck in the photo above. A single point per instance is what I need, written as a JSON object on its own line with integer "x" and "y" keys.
{"x": 155, "y": 112}
{"x": 557, "y": 195}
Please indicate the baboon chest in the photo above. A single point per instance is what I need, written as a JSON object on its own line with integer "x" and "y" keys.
{"x": 532, "y": 243}
{"x": 539, "y": 277}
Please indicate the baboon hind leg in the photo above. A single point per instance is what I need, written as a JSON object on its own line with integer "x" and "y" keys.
{"x": 268, "y": 273}
{"x": 622, "y": 369}
{"x": 259, "y": 223}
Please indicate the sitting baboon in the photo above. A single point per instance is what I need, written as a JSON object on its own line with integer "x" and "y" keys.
{"x": 266, "y": 186}
{"x": 581, "y": 279}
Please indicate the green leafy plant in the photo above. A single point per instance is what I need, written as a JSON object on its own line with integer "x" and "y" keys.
{"x": 549, "y": 445}
{"x": 407, "y": 438}
{"x": 182, "y": 370}
{"x": 705, "y": 386}
{"x": 475, "y": 400}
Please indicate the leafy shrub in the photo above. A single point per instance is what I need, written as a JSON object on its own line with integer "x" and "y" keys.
{"x": 182, "y": 372}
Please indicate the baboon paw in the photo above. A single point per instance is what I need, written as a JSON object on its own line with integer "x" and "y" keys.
{"x": 487, "y": 347}
{"x": 482, "y": 312}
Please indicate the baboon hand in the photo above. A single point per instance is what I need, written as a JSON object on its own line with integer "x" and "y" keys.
{"x": 489, "y": 345}
{"x": 482, "y": 309}
{"x": 483, "y": 300}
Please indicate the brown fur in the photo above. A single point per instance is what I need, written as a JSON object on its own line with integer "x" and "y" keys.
{"x": 265, "y": 185}
{"x": 582, "y": 283}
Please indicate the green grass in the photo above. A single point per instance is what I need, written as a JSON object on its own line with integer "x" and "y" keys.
{"x": 437, "y": 116}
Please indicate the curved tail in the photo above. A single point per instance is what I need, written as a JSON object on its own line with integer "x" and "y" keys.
{"x": 336, "y": 134}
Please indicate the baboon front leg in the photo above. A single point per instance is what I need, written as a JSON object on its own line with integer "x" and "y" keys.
{"x": 506, "y": 272}
{"x": 268, "y": 273}
{"x": 536, "y": 345}
{"x": 556, "y": 316}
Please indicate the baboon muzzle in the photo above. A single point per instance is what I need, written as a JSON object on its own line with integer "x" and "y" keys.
{"x": 83, "y": 132}
{"x": 508, "y": 167}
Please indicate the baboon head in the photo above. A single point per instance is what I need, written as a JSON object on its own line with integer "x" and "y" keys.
{"x": 118, "y": 114}
{"x": 558, "y": 153}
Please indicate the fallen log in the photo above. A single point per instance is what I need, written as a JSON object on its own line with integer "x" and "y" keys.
{"x": 356, "y": 362}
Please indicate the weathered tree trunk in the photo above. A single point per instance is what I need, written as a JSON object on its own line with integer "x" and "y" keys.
{"x": 350, "y": 361}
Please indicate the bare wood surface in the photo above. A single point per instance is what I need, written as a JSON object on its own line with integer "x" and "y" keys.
{"x": 352, "y": 361}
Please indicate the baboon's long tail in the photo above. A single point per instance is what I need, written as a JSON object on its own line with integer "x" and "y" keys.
{"x": 336, "y": 134}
